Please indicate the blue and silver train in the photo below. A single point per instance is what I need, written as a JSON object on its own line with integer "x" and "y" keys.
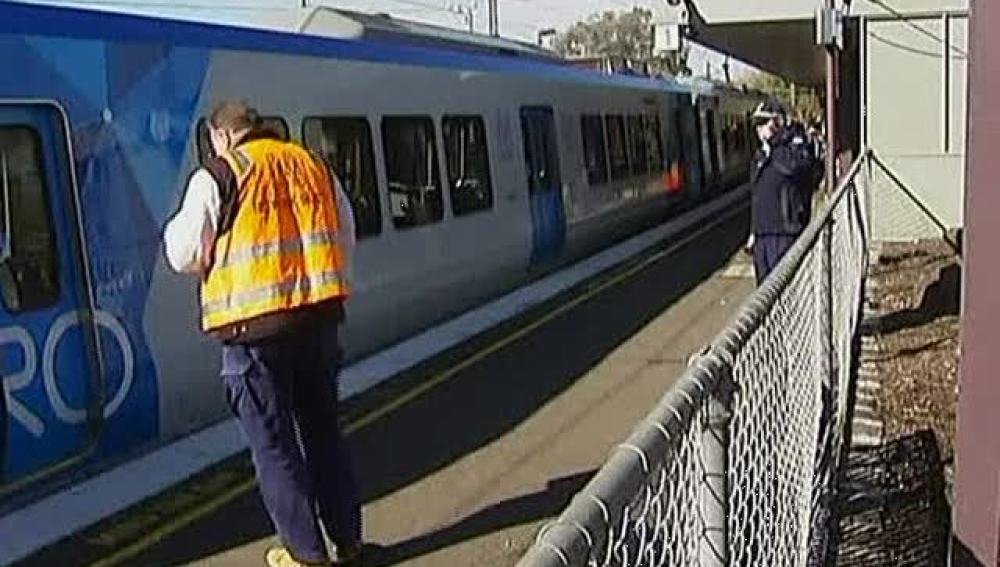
{"x": 471, "y": 168}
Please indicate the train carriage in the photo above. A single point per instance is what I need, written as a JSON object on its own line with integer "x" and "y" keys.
{"x": 471, "y": 170}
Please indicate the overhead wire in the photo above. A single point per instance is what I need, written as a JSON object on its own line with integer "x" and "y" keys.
{"x": 900, "y": 16}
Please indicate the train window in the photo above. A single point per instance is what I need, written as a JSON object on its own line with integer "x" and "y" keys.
{"x": 654, "y": 141}
{"x": 346, "y": 144}
{"x": 713, "y": 148}
{"x": 676, "y": 149}
{"x": 29, "y": 270}
{"x": 639, "y": 146}
{"x": 724, "y": 134}
{"x": 734, "y": 134}
{"x": 468, "y": 162}
{"x": 412, "y": 170}
{"x": 594, "y": 155}
{"x": 617, "y": 146}
{"x": 273, "y": 124}
{"x": 706, "y": 148}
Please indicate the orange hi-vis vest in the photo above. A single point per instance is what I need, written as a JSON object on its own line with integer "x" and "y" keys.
{"x": 281, "y": 251}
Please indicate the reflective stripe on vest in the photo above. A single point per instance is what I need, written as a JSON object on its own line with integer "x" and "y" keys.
{"x": 239, "y": 162}
{"x": 272, "y": 292}
{"x": 282, "y": 250}
{"x": 251, "y": 252}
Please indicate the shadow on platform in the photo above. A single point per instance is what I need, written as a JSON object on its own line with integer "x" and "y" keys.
{"x": 482, "y": 403}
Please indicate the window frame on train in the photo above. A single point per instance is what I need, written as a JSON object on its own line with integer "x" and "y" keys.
{"x": 276, "y": 124}
{"x": 41, "y": 291}
{"x": 594, "y": 139}
{"x": 675, "y": 148}
{"x": 676, "y": 151}
{"x": 366, "y": 201}
{"x": 390, "y": 159}
{"x": 460, "y": 205}
{"x": 618, "y": 171}
{"x": 709, "y": 133}
{"x": 638, "y": 145}
{"x": 653, "y": 129}
{"x": 737, "y": 147}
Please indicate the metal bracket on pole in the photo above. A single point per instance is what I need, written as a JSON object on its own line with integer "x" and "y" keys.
{"x": 830, "y": 27}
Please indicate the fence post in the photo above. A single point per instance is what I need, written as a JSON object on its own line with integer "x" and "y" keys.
{"x": 830, "y": 416}
{"x": 714, "y": 549}
{"x": 828, "y": 344}
{"x": 866, "y": 196}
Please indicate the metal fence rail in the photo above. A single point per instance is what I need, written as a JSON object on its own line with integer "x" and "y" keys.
{"x": 734, "y": 464}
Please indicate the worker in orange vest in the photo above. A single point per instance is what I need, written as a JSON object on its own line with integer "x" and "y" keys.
{"x": 261, "y": 226}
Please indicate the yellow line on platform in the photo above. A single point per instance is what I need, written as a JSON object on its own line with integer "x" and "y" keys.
{"x": 210, "y": 505}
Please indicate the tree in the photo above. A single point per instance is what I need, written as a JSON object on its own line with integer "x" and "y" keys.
{"x": 617, "y": 35}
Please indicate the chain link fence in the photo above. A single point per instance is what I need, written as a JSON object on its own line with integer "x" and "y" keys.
{"x": 734, "y": 465}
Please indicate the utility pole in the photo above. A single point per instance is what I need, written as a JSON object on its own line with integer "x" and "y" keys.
{"x": 832, "y": 68}
{"x": 494, "y": 18}
{"x": 830, "y": 34}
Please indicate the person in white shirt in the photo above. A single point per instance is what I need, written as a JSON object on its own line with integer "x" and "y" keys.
{"x": 269, "y": 230}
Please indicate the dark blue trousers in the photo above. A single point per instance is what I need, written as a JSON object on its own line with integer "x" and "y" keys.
{"x": 283, "y": 391}
{"x": 768, "y": 250}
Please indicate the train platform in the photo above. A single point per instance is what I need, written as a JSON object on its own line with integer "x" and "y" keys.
{"x": 463, "y": 458}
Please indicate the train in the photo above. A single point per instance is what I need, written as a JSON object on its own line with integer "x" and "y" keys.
{"x": 473, "y": 166}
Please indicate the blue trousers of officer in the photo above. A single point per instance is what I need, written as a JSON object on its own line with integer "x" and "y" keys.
{"x": 283, "y": 391}
{"x": 768, "y": 250}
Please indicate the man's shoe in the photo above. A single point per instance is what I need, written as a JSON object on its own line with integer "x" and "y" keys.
{"x": 348, "y": 555}
{"x": 281, "y": 557}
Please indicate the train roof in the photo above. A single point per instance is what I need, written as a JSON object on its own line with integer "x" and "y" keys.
{"x": 348, "y": 24}
{"x": 323, "y": 33}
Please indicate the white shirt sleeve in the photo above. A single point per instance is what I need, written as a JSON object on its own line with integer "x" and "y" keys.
{"x": 189, "y": 237}
{"x": 345, "y": 217}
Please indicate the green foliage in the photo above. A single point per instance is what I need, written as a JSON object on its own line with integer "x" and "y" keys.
{"x": 618, "y": 35}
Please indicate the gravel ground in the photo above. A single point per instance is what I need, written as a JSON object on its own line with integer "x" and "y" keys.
{"x": 916, "y": 292}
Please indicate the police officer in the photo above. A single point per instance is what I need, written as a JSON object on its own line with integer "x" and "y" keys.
{"x": 781, "y": 201}
{"x": 260, "y": 225}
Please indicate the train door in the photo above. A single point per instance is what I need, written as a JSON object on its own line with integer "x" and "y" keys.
{"x": 541, "y": 158}
{"x": 48, "y": 356}
{"x": 706, "y": 133}
{"x": 689, "y": 139}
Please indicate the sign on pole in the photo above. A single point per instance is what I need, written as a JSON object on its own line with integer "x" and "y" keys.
{"x": 668, "y": 27}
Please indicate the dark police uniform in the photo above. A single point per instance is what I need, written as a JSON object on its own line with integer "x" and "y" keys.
{"x": 781, "y": 204}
